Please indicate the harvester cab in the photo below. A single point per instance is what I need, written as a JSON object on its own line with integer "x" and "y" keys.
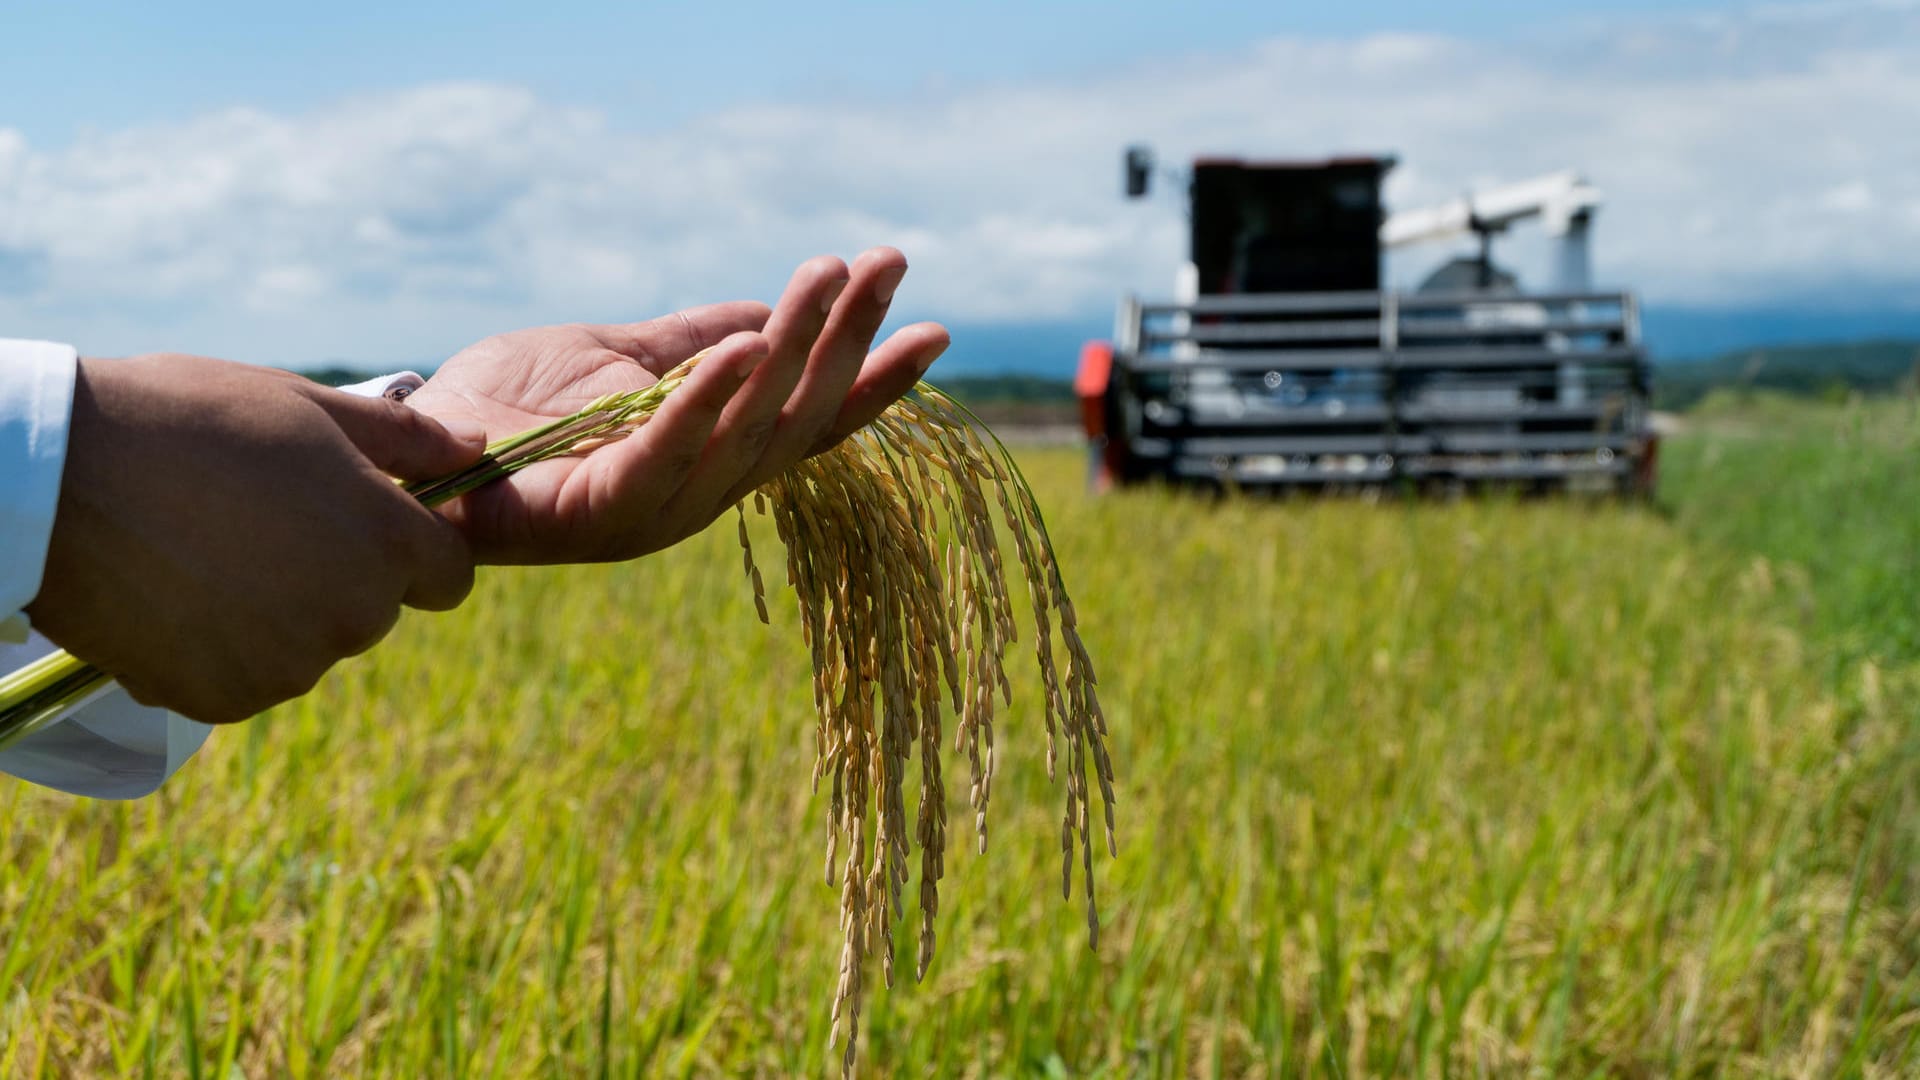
{"x": 1282, "y": 361}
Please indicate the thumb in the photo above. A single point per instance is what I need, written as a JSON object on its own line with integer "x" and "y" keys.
{"x": 401, "y": 441}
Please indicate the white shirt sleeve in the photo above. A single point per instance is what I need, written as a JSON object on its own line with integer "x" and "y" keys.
{"x": 36, "y": 399}
{"x": 109, "y": 746}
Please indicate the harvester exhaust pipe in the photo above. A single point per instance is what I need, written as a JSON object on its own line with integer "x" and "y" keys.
{"x": 1139, "y": 170}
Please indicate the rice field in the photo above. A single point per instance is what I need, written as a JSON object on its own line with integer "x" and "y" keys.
{"x": 1493, "y": 788}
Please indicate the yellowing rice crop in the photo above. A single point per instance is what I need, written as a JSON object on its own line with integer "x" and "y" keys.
{"x": 1498, "y": 789}
{"x": 892, "y": 552}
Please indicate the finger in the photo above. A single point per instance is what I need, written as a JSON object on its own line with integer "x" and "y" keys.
{"x": 833, "y": 364}
{"x": 890, "y": 371}
{"x": 630, "y": 481}
{"x": 399, "y": 440}
{"x": 354, "y": 639}
{"x": 139, "y": 691}
{"x": 442, "y": 570}
{"x": 796, "y": 324}
{"x": 661, "y": 344}
{"x": 748, "y": 425}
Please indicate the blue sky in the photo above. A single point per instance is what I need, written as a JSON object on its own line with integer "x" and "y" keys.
{"x": 381, "y": 185}
{"x": 77, "y": 66}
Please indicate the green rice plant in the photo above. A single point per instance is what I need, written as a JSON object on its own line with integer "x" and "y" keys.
{"x": 893, "y": 554}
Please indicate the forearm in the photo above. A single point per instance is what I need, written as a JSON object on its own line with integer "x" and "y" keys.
{"x": 107, "y": 746}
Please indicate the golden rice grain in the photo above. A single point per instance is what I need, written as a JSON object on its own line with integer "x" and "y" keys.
{"x": 893, "y": 555}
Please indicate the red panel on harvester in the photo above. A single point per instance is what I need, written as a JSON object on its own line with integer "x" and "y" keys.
{"x": 1090, "y": 386}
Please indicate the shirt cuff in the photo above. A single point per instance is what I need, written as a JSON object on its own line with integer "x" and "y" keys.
{"x": 109, "y": 746}
{"x": 396, "y": 387}
{"x": 36, "y": 402}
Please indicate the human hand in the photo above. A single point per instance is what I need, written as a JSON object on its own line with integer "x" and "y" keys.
{"x": 777, "y": 387}
{"x": 225, "y": 533}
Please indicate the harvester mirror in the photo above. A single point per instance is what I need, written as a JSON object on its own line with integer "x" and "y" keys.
{"x": 1139, "y": 164}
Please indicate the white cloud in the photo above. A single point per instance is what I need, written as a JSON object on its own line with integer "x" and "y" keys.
{"x": 1853, "y": 197}
{"x": 1745, "y": 159}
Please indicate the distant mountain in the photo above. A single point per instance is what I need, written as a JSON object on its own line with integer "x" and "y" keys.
{"x": 1674, "y": 335}
{"x": 1678, "y": 334}
{"x": 1048, "y": 349}
{"x": 1877, "y": 348}
{"x": 1870, "y": 367}
{"x": 1806, "y": 370}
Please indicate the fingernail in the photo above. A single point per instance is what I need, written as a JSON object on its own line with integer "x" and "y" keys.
{"x": 834, "y": 289}
{"x": 934, "y": 355}
{"x": 750, "y": 360}
{"x": 887, "y": 281}
{"x": 471, "y": 432}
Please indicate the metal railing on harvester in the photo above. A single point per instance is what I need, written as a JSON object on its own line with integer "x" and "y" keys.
{"x": 1377, "y": 388}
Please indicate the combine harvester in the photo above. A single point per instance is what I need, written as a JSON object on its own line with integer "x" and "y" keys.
{"x": 1282, "y": 362}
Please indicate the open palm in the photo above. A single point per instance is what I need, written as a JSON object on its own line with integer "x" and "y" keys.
{"x": 779, "y": 385}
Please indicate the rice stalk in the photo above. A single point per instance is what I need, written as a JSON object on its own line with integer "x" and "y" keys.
{"x": 49, "y": 688}
{"x": 893, "y": 555}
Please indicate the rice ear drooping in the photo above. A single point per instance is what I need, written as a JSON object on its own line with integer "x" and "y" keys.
{"x": 893, "y": 554}
{"x": 894, "y": 557}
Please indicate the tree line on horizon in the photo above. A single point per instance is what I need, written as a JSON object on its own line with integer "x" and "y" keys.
{"x": 1831, "y": 371}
